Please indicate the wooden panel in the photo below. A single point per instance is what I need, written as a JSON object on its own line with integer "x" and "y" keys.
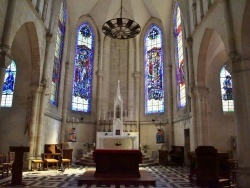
{"x": 117, "y": 162}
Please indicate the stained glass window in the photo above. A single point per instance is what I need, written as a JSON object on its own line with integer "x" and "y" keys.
{"x": 153, "y": 58}
{"x": 58, "y": 56}
{"x": 8, "y": 86}
{"x": 180, "y": 72}
{"x": 82, "y": 84}
{"x": 226, "y": 90}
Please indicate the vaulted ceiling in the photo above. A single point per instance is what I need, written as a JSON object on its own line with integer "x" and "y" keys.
{"x": 103, "y": 10}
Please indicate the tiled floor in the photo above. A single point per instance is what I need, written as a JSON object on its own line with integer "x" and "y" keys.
{"x": 166, "y": 177}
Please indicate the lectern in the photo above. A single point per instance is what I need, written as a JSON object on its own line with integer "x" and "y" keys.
{"x": 17, "y": 167}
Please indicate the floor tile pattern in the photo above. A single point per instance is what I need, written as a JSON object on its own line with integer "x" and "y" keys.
{"x": 166, "y": 177}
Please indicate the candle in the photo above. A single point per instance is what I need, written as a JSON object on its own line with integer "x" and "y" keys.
{"x": 77, "y": 120}
{"x": 104, "y": 114}
{"x": 73, "y": 119}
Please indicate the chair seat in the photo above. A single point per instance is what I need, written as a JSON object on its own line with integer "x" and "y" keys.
{"x": 66, "y": 161}
{"x": 51, "y": 161}
{"x": 35, "y": 162}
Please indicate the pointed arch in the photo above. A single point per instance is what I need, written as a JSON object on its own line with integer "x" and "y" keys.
{"x": 153, "y": 70}
{"x": 54, "y": 92}
{"x": 179, "y": 57}
{"x": 83, "y": 68}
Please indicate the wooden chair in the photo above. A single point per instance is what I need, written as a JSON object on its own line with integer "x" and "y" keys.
{"x": 7, "y": 165}
{"x": 35, "y": 163}
{"x": 2, "y": 160}
{"x": 48, "y": 158}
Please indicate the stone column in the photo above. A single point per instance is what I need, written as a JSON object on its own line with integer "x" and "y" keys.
{"x": 200, "y": 93}
{"x": 65, "y": 103}
{"x": 241, "y": 89}
{"x": 42, "y": 95}
{"x": 32, "y": 129}
{"x": 201, "y": 9}
{"x": 131, "y": 80}
{"x": 208, "y": 4}
{"x": 5, "y": 60}
{"x": 194, "y": 13}
{"x": 137, "y": 75}
{"x": 192, "y": 96}
{"x": 170, "y": 133}
{"x": 45, "y": 8}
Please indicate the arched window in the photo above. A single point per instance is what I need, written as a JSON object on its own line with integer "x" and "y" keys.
{"x": 8, "y": 86}
{"x": 153, "y": 61}
{"x": 179, "y": 58}
{"x": 54, "y": 93}
{"x": 82, "y": 83}
{"x": 226, "y": 90}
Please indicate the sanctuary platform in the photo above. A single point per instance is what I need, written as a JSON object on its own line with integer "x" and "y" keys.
{"x": 117, "y": 167}
{"x": 88, "y": 178}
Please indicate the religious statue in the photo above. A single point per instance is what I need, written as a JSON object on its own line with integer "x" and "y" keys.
{"x": 72, "y": 134}
{"x": 160, "y": 136}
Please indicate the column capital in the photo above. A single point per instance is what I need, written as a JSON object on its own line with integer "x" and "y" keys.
{"x": 189, "y": 42}
{"x": 5, "y": 58}
{"x": 199, "y": 91}
{"x": 48, "y": 36}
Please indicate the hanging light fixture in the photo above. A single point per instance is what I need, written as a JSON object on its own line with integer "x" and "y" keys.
{"x": 121, "y": 28}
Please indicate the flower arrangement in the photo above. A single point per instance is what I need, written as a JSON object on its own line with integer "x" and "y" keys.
{"x": 118, "y": 143}
{"x": 89, "y": 146}
{"x": 145, "y": 147}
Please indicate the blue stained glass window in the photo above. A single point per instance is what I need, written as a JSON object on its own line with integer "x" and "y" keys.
{"x": 82, "y": 84}
{"x": 179, "y": 56}
{"x": 154, "y": 87}
{"x": 226, "y": 90}
{"x": 8, "y": 86}
{"x": 58, "y": 56}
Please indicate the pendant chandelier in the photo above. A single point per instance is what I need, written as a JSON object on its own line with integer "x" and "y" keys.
{"x": 121, "y": 28}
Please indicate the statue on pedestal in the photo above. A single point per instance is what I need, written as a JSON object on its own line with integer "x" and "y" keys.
{"x": 160, "y": 136}
{"x": 72, "y": 134}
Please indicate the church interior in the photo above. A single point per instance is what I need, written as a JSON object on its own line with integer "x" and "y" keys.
{"x": 165, "y": 78}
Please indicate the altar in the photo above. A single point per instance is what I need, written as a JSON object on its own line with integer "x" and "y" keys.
{"x": 123, "y": 142}
{"x": 117, "y": 137}
{"x": 117, "y": 155}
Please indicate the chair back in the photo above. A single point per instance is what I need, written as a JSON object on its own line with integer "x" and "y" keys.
{"x": 11, "y": 157}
